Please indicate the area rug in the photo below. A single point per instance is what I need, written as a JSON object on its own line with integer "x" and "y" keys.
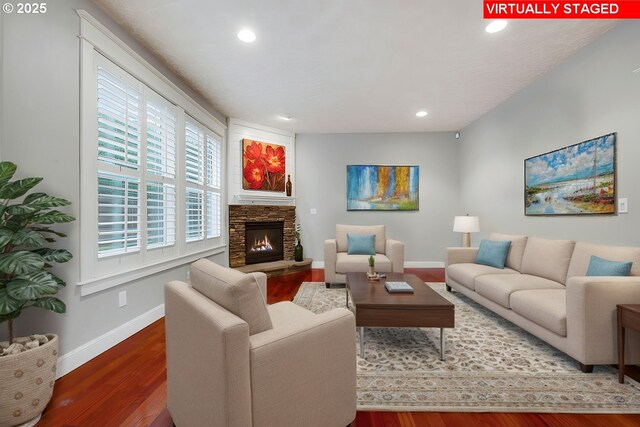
{"x": 490, "y": 365}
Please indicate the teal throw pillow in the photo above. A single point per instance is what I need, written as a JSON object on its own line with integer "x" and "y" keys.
{"x": 493, "y": 252}
{"x": 604, "y": 267}
{"x": 361, "y": 244}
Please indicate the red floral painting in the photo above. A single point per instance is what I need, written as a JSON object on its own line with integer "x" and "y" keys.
{"x": 263, "y": 166}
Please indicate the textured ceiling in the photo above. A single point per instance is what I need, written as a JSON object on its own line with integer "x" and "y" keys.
{"x": 350, "y": 66}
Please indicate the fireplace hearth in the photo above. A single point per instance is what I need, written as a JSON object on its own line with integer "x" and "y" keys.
{"x": 264, "y": 241}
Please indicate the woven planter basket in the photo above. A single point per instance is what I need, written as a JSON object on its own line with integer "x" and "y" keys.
{"x": 26, "y": 383}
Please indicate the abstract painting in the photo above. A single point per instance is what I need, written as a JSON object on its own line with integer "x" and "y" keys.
{"x": 575, "y": 180}
{"x": 263, "y": 166}
{"x": 382, "y": 188}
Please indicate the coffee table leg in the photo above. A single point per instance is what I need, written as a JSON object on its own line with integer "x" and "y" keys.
{"x": 441, "y": 343}
{"x": 362, "y": 342}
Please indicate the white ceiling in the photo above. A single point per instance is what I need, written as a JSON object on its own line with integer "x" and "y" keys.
{"x": 350, "y": 66}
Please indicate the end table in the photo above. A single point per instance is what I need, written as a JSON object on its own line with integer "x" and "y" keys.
{"x": 628, "y": 317}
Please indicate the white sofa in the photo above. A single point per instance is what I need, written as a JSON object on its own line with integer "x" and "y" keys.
{"x": 544, "y": 290}
{"x": 389, "y": 257}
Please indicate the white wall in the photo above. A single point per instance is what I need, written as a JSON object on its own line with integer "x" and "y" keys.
{"x": 593, "y": 93}
{"x": 321, "y": 165}
{"x": 40, "y": 132}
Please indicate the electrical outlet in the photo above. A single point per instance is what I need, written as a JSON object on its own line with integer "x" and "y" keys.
{"x": 122, "y": 298}
{"x": 314, "y": 211}
{"x": 623, "y": 205}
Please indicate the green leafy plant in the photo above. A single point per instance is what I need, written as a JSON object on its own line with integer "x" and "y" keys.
{"x": 372, "y": 261}
{"x": 24, "y": 260}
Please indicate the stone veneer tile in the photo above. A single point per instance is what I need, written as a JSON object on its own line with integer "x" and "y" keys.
{"x": 239, "y": 214}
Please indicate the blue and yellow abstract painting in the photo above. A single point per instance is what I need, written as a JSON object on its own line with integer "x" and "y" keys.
{"x": 575, "y": 180}
{"x": 382, "y": 188}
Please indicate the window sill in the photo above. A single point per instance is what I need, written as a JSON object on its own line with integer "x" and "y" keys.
{"x": 92, "y": 286}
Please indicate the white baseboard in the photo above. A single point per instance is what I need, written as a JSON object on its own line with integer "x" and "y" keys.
{"x": 408, "y": 264}
{"x": 81, "y": 355}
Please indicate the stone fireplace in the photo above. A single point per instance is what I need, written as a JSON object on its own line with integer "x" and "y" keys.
{"x": 254, "y": 231}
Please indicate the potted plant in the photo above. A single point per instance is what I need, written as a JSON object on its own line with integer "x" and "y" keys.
{"x": 372, "y": 263}
{"x": 27, "y": 364}
{"x": 298, "y": 249}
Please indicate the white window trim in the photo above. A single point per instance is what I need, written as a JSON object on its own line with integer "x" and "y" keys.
{"x": 95, "y": 38}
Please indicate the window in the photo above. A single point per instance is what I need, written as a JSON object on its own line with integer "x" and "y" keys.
{"x": 203, "y": 175}
{"x": 152, "y": 162}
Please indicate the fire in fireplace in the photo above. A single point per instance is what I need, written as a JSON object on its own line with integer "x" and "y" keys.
{"x": 264, "y": 241}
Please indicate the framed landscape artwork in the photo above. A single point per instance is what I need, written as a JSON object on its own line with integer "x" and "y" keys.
{"x": 382, "y": 188}
{"x": 263, "y": 166}
{"x": 575, "y": 180}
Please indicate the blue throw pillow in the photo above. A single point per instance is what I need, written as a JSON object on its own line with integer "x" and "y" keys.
{"x": 603, "y": 267}
{"x": 493, "y": 252}
{"x": 361, "y": 244}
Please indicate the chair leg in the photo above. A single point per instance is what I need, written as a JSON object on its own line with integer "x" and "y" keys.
{"x": 327, "y": 284}
{"x": 448, "y": 288}
{"x": 587, "y": 369}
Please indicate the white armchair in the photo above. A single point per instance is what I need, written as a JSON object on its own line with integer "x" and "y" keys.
{"x": 389, "y": 257}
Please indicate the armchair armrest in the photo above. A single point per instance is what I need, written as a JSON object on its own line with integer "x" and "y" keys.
{"x": 330, "y": 256}
{"x": 311, "y": 356}
{"x": 460, "y": 255}
{"x": 591, "y": 317}
{"x": 394, "y": 250}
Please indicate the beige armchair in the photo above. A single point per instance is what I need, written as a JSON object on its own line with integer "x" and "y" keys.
{"x": 233, "y": 361}
{"x": 389, "y": 255}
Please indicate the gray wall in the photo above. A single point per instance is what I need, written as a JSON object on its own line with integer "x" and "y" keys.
{"x": 40, "y": 132}
{"x": 321, "y": 168}
{"x": 594, "y": 92}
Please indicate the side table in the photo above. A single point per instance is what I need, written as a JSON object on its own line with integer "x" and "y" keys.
{"x": 628, "y": 317}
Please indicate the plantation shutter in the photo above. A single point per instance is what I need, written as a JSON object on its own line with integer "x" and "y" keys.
{"x": 118, "y": 214}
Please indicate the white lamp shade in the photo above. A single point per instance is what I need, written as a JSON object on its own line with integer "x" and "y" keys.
{"x": 466, "y": 224}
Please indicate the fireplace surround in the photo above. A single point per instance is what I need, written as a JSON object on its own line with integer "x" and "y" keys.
{"x": 239, "y": 215}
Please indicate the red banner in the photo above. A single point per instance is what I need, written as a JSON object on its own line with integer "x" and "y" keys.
{"x": 626, "y": 9}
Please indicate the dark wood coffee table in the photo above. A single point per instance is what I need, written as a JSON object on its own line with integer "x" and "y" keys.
{"x": 375, "y": 307}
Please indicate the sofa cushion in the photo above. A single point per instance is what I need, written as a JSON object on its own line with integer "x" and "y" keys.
{"x": 493, "y": 253}
{"x": 518, "y": 243}
{"x": 547, "y": 258}
{"x": 605, "y": 267}
{"x": 235, "y": 291}
{"x": 377, "y": 230}
{"x": 360, "y": 263}
{"x": 361, "y": 244}
{"x": 499, "y": 287}
{"x": 545, "y": 307}
{"x": 466, "y": 273}
{"x": 583, "y": 251}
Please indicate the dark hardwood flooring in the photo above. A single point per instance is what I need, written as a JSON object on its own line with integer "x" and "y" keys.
{"x": 126, "y": 386}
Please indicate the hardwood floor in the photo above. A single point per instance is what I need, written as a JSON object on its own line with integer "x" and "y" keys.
{"x": 126, "y": 386}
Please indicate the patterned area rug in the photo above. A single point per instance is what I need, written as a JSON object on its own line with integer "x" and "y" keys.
{"x": 490, "y": 365}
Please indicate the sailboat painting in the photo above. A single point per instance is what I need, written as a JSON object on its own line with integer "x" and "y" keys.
{"x": 575, "y": 180}
{"x": 382, "y": 188}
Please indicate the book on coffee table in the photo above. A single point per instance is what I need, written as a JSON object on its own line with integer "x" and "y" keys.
{"x": 400, "y": 287}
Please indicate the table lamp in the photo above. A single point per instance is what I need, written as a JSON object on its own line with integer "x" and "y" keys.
{"x": 466, "y": 225}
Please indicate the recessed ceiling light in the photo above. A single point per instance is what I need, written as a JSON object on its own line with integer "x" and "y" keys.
{"x": 287, "y": 118}
{"x": 247, "y": 36}
{"x": 496, "y": 26}
{"x": 421, "y": 113}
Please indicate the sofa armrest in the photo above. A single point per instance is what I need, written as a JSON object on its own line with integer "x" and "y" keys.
{"x": 261, "y": 278}
{"x": 312, "y": 356}
{"x": 460, "y": 255}
{"x": 330, "y": 256}
{"x": 591, "y": 317}
{"x": 394, "y": 249}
